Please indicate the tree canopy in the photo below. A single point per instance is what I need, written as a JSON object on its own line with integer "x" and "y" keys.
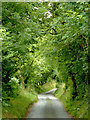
{"x": 43, "y": 41}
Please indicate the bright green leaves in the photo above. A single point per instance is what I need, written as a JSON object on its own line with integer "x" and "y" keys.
{"x": 66, "y": 40}
{"x": 41, "y": 37}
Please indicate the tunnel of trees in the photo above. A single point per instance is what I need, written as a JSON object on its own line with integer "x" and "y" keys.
{"x": 44, "y": 41}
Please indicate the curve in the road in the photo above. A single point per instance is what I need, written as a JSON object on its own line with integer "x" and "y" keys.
{"x": 48, "y": 107}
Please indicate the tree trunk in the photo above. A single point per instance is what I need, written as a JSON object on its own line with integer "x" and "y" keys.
{"x": 21, "y": 77}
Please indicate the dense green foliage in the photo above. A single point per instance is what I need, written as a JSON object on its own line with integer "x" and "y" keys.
{"x": 44, "y": 42}
{"x": 77, "y": 108}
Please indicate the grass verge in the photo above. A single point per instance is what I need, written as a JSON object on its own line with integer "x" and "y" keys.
{"x": 17, "y": 107}
{"x": 76, "y": 108}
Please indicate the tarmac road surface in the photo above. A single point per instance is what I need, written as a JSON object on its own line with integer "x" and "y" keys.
{"x": 48, "y": 106}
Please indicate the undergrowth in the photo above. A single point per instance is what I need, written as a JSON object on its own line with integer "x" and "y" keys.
{"x": 77, "y": 108}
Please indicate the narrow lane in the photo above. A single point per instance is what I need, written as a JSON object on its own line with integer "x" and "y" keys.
{"x": 48, "y": 106}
